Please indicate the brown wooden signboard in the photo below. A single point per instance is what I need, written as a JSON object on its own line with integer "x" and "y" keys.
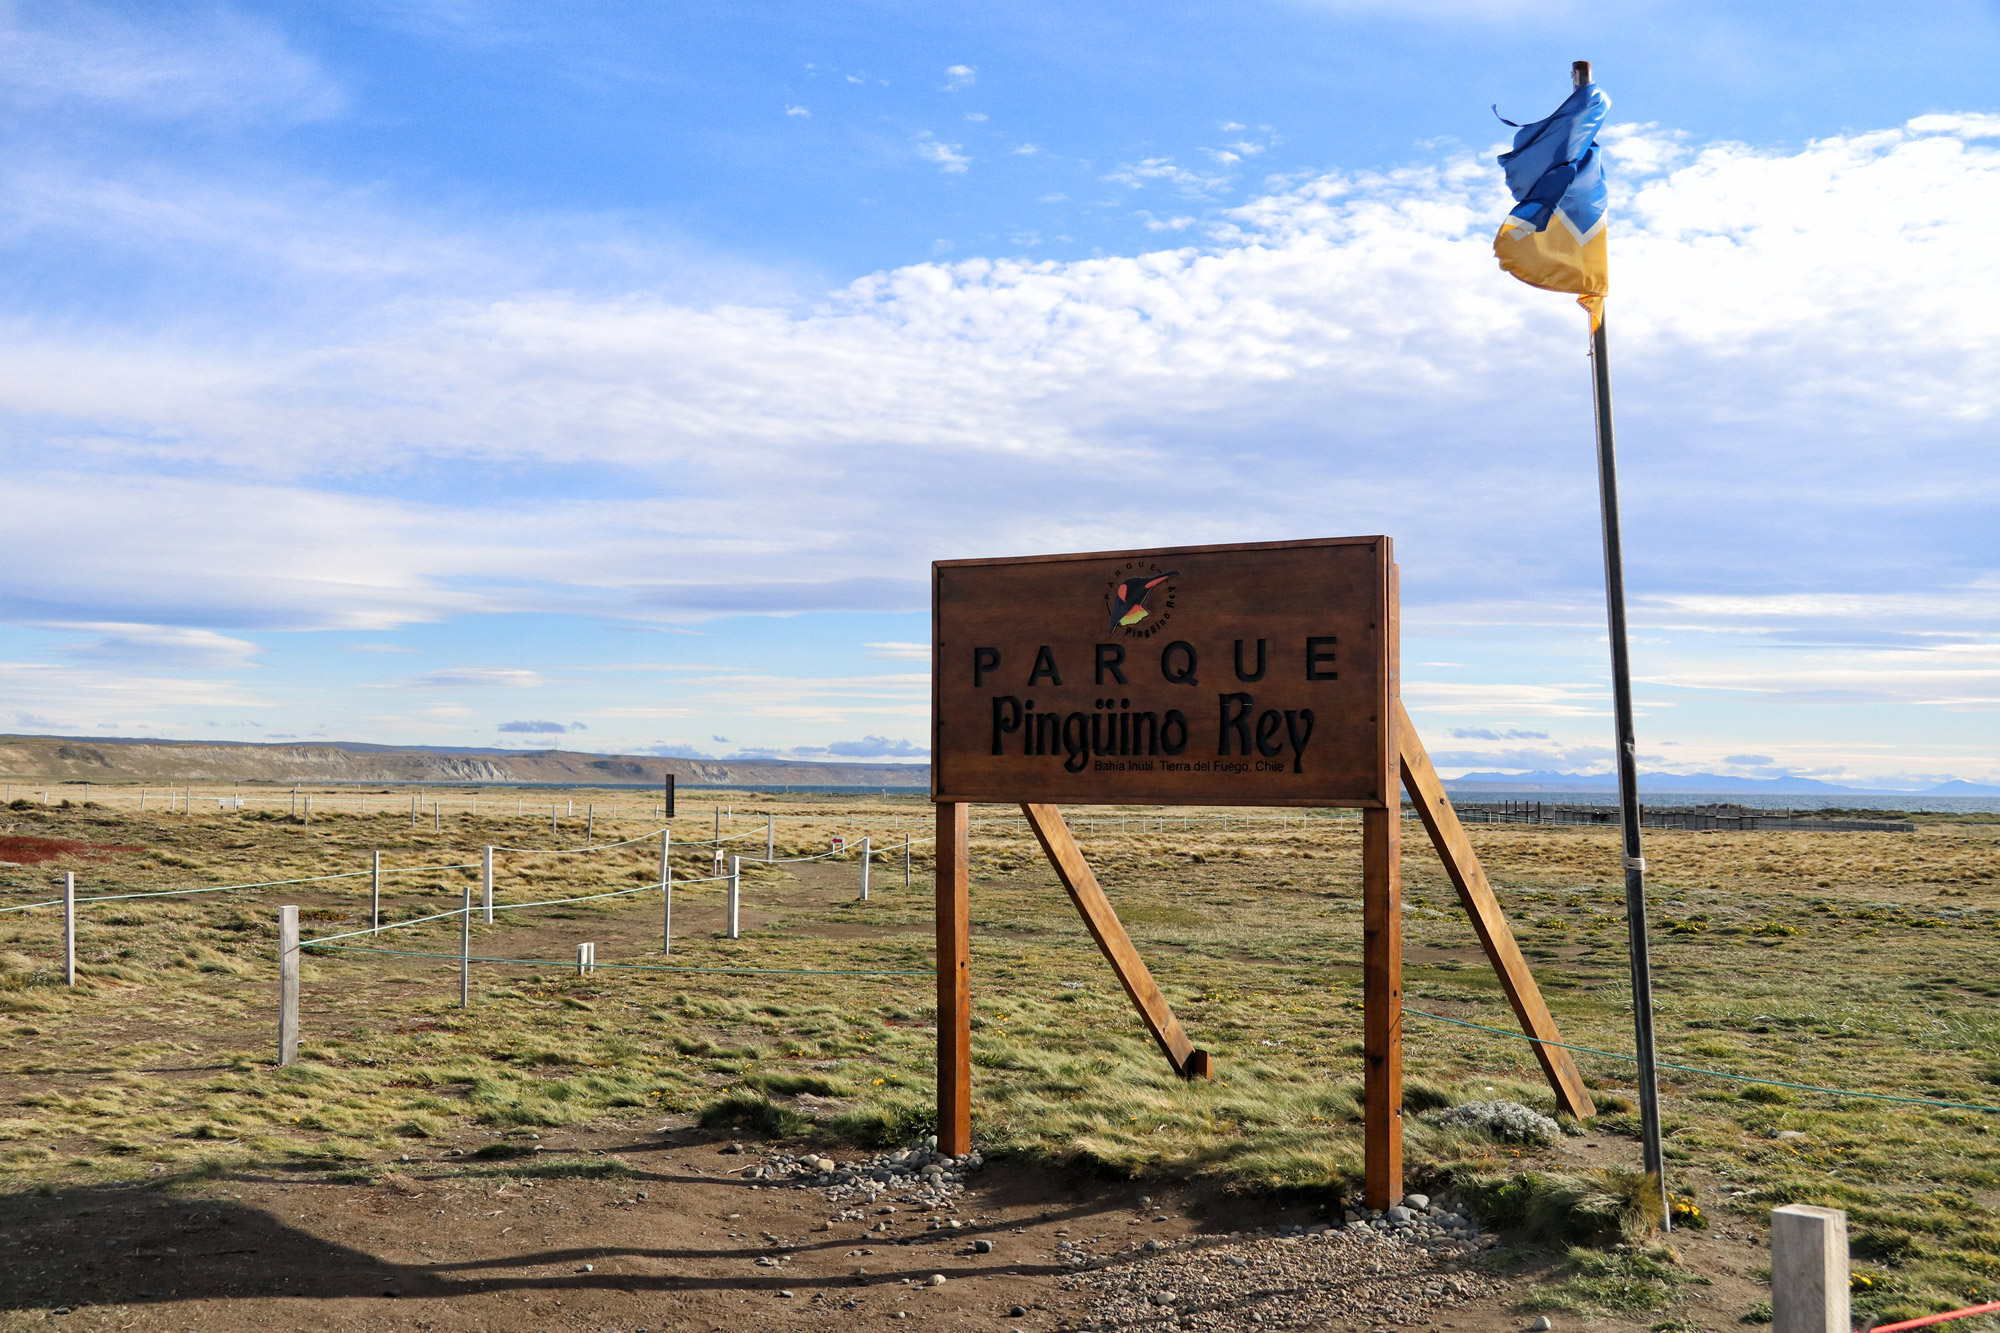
{"x": 1249, "y": 675}
{"x": 1257, "y": 674}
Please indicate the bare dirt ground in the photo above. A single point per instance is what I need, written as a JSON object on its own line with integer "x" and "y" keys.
{"x": 676, "y": 1245}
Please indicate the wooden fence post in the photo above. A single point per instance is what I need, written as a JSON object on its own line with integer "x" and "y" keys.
{"x": 375, "y": 894}
{"x": 590, "y": 824}
{"x": 667, "y": 884}
{"x": 867, "y": 856}
{"x": 906, "y": 860}
{"x": 288, "y": 985}
{"x": 770, "y": 837}
{"x": 69, "y": 928}
{"x": 486, "y": 883}
{"x": 1809, "y": 1270}
{"x": 735, "y": 893}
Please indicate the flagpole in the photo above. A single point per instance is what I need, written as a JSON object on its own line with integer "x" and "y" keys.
{"x": 1628, "y": 758}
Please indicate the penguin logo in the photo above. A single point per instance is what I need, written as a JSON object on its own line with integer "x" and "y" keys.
{"x": 1128, "y": 595}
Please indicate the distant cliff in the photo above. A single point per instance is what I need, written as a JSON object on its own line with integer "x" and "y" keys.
{"x": 115, "y": 759}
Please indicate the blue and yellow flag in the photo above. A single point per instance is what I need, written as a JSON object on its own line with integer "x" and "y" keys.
{"x": 1554, "y": 238}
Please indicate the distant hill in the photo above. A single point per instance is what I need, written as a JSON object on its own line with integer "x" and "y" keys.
{"x": 111, "y": 759}
{"x": 1960, "y": 787}
{"x": 1543, "y": 780}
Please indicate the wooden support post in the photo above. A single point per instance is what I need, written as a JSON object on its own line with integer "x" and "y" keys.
{"x": 1809, "y": 1274}
{"x": 1382, "y": 1002}
{"x": 590, "y": 823}
{"x": 69, "y": 928}
{"x": 770, "y": 837}
{"x": 288, "y": 985}
{"x": 954, "y": 978}
{"x": 906, "y": 860}
{"x": 1490, "y": 923}
{"x": 1081, "y": 882}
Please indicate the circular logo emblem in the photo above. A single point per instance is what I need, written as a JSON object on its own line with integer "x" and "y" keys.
{"x": 1139, "y": 601}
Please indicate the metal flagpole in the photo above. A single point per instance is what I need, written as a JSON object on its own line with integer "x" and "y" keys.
{"x": 1628, "y": 757}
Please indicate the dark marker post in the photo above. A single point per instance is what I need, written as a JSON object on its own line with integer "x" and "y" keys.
{"x": 1628, "y": 758}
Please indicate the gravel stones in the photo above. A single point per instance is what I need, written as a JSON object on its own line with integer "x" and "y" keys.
{"x": 1337, "y": 1277}
{"x": 1509, "y": 1122}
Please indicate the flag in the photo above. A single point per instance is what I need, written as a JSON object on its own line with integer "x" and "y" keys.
{"x": 1554, "y": 237}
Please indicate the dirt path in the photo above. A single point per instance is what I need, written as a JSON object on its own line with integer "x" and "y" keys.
{"x": 680, "y": 1239}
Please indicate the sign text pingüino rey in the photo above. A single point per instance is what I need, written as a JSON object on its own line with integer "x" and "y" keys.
{"x": 1257, "y": 674}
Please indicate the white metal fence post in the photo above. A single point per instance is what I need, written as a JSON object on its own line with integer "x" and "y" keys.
{"x": 309, "y": 808}
{"x": 667, "y": 885}
{"x": 288, "y": 985}
{"x": 770, "y": 837}
{"x": 465, "y": 950}
{"x": 867, "y": 857}
{"x": 69, "y": 928}
{"x": 437, "y": 816}
{"x": 1809, "y": 1270}
{"x": 486, "y": 884}
{"x": 375, "y": 894}
{"x": 735, "y": 893}
{"x": 906, "y": 860}
{"x": 586, "y": 958}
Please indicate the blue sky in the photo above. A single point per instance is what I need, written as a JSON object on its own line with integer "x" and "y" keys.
{"x": 453, "y": 373}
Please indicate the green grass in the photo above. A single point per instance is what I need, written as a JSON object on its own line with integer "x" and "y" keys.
{"x": 1846, "y": 960}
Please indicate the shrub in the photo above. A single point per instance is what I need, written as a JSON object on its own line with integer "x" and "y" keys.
{"x": 754, "y": 1112}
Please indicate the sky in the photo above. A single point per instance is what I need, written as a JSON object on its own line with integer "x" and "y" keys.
{"x": 606, "y": 375}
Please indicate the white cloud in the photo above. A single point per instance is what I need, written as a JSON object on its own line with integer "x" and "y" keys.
{"x": 898, "y": 652}
{"x": 1137, "y": 175}
{"x": 976, "y": 116}
{"x": 159, "y": 647}
{"x": 946, "y": 156}
{"x": 959, "y": 77}
{"x": 477, "y": 678}
{"x": 1807, "y": 347}
{"x": 204, "y": 62}
{"x": 1026, "y": 150}
{"x": 798, "y": 111}
{"x": 1165, "y": 224}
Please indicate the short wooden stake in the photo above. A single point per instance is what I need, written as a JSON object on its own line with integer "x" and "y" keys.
{"x": 375, "y": 893}
{"x": 770, "y": 837}
{"x": 465, "y": 950}
{"x": 288, "y": 985}
{"x": 906, "y": 860}
{"x": 1809, "y": 1270}
{"x": 954, "y": 979}
{"x": 69, "y": 928}
{"x": 866, "y": 857}
{"x": 309, "y": 809}
{"x": 552, "y": 819}
{"x": 437, "y": 816}
{"x": 667, "y": 885}
{"x": 735, "y": 894}
{"x": 590, "y": 824}
{"x": 486, "y": 883}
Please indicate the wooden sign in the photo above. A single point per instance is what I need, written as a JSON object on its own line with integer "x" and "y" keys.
{"x": 1253, "y": 674}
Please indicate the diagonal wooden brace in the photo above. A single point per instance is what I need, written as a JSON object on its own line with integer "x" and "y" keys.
{"x": 1455, "y": 850}
{"x": 1109, "y": 932}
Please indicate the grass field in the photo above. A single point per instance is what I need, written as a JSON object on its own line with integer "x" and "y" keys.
{"x": 1865, "y": 961}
